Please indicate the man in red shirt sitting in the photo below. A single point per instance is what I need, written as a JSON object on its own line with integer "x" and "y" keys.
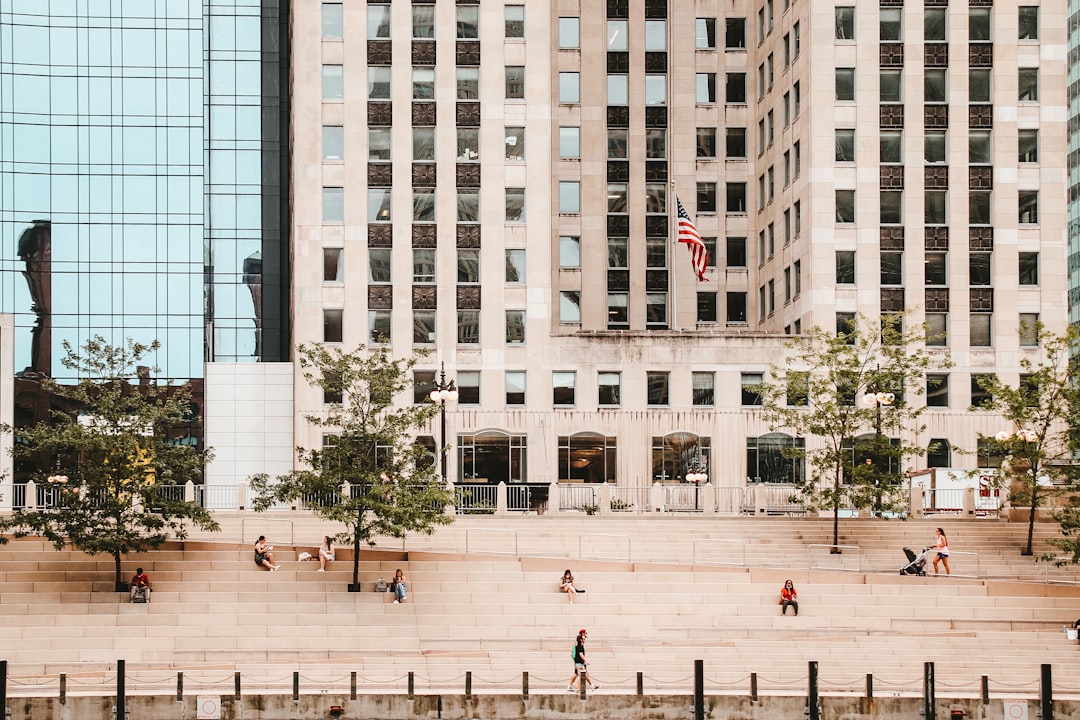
{"x": 140, "y": 585}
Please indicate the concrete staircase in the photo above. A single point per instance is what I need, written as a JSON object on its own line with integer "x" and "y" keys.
{"x": 497, "y": 615}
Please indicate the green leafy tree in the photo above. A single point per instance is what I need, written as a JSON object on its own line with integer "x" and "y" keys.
{"x": 112, "y": 449}
{"x": 1042, "y": 409}
{"x": 371, "y": 475}
{"x": 821, "y": 392}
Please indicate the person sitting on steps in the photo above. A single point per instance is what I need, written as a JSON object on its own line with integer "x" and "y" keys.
{"x": 140, "y": 582}
{"x": 788, "y": 596}
{"x": 263, "y": 557}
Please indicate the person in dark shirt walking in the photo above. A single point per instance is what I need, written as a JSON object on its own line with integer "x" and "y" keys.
{"x": 581, "y": 665}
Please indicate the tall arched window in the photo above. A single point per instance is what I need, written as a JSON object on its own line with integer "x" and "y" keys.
{"x": 766, "y": 461}
{"x": 938, "y": 453}
{"x": 492, "y": 456}
{"x": 678, "y": 453}
{"x": 587, "y": 457}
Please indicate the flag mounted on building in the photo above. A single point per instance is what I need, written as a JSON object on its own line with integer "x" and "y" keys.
{"x": 699, "y": 254}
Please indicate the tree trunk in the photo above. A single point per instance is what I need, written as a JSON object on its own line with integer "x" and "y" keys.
{"x": 118, "y": 580}
{"x": 835, "y": 550}
{"x": 1034, "y": 504}
{"x": 355, "y": 587}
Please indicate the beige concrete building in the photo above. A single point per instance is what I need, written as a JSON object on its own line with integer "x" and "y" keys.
{"x": 495, "y": 181}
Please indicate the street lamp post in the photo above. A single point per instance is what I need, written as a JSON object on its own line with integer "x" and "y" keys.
{"x": 59, "y": 481}
{"x": 697, "y": 474}
{"x": 443, "y": 392}
{"x": 877, "y": 399}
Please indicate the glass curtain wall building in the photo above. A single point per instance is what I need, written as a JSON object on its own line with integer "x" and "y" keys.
{"x": 139, "y": 183}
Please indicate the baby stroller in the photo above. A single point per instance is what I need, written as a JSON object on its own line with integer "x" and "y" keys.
{"x": 916, "y": 564}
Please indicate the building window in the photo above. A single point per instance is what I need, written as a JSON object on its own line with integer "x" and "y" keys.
{"x": 979, "y": 396}
{"x": 378, "y": 143}
{"x": 938, "y": 453}
{"x": 706, "y": 142}
{"x": 1029, "y": 329}
{"x": 514, "y": 21}
{"x": 618, "y": 311}
{"x": 569, "y": 196}
{"x": 569, "y": 87}
{"x": 569, "y": 33}
{"x": 468, "y": 327}
{"x": 1029, "y": 268}
{"x": 423, "y": 83}
{"x": 845, "y": 326}
{"x": 978, "y": 208}
{"x": 845, "y": 267}
{"x": 569, "y": 251}
{"x": 655, "y": 35}
{"x": 706, "y": 307}
{"x": 935, "y": 270}
{"x": 736, "y": 142}
{"x": 468, "y": 23}
{"x": 618, "y": 90}
{"x": 609, "y": 388}
{"x": 333, "y": 265}
{"x": 979, "y": 150}
{"x": 379, "y": 265}
{"x": 736, "y": 198}
{"x": 616, "y": 144}
{"x": 980, "y": 329}
{"x": 934, "y": 85}
{"x": 1028, "y": 85}
{"x": 1029, "y": 22}
{"x": 378, "y": 22}
{"x": 514, "y": 382}
{"x": 937, "y": 330}
{"x": 749, "y": 383}
{"x": 979, "y": 270}
{"x": 468, "y": 206}
{"x": 423, "y": 327}
{"x": 468, "y": 383}
{"x": 891, "y": 88}
{"x": 378, "y": 205}
{"x": 562, "y": 385}
{"x": 937, "y": 391}
{"x": 333, "y": 203}
{"x": 515, "y": 82}
{"x": 934, "y": 147}
{"x": 1029, "y": 207}
{"x": 333, "y": 143}
{"x": 423, "y": 22}
{"x": 770, "y": 459}
{"x": 617, "y": 254}
{"x": 468, "y": 83}
{"x": 515, "y": 266}
{"x": 736, "y": 252}
{"x": 616, "y": 198}
{"x": 515, "y": 327}
{"x": 704, "y": 388}
{"x": 892, "y": 207}
{"x": 934, "y": 28}
{"x": 979, "y": 85}
{"x": 617, "y": 35}
{"x": 705, "y": 33}
{"x": 570, "y": 306}
{"x": 657, "y": 387}
{"x": 736, "y": 307}
{"x": 468, "y": 266}
{"x": 845, "y": 23}
{"x": 891, "y": 26}
{"x": 734, "y": 88}
{"x": 979, "y": 24}
{"x": 515, "y": 204}
{"x": 569, "y": 142}
{"x": 423, "y": 265}
{"x": 735, "y": 33}
{"x": 845, "y": 206}
{"x": 514, "y": 142}
{"x": 845, "y": 84}
{"x": 333, "y": 325}
{"x": 422, "y": 382}
{"x": 1028, "y": 146}
{"x": 845, "y": 145}
{"x": 379, "y": 326}
{"x": 423, "y": 206}
{"x": 333, "y": 82}
{"x": 934, "y": 211}
{"x": 656, "y": 310}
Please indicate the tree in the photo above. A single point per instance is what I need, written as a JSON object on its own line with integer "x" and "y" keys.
{"x": 119, "y": 435}
{"x": 369, "y": 474}
{"x": 1042, "y": 409}
{"x": 823, "y": 390}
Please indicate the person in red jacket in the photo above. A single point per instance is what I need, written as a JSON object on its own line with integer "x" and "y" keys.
{"x": 788, "y": 596}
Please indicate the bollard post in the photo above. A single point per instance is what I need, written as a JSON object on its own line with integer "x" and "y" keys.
{"x": 1046, "y": 693}
{"x": 869, "y": 686}
{"x": 524, "y": 685}
{"x": 352, "y": 685}
{"x": 581, "y": 682}
{"x": 753, "y": 687}
{"x": 295, "y": 685}
{"x": 412, "y": 685}
{"x": 640, "y": 683}
{"x": 812, "y": 709}
{"x": 699, "y": 690}
{"x": 929, "y": 713}
{"x": 985, "y": 689}
{"x": 3, "y": 689}
{"x": 63, "y": 688}
{"x": 236, "y": 686}
{"x": 179, "y": 687}
{"x": 121, "y": 690}
{"x": 468, "y": 684}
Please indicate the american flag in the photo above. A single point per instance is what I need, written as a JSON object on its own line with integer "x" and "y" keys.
{"x": 699, "y": 255}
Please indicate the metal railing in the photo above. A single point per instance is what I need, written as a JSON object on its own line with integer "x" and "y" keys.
{"x": 682, "y": 498}
{"x": 732, "y": 500}
{"x": 942, "y": 501}
{"x": 710, "y": 551}
{"x": 480, "y": 499}
{"x": 220, "y": 497}
{"x": 628, "y": 499}
{"x": 578, "y": 497}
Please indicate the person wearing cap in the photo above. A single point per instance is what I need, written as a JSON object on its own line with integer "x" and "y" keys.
{"x": 140, "y": 580}
{"x": 581, "y": 667}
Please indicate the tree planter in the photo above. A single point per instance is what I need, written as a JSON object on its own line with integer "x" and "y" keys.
{"x": 354, "y": 587}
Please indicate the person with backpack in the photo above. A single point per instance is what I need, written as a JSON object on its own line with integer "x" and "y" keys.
{"x": 581, "y": 666}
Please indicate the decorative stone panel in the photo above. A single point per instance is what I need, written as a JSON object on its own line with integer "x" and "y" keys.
{"x": 891, "y": 177}
{"x": 936, "y": 3}
{"x": 618, "y": 9}
{"x": 981, "y": 238}
{"x": 982, "y": 300}
{"x": 937, "y": 300}
{"x": 892, "y": 300}
{"x": 618, "y": 171}
{"x": 891, "y": 237}
{"x": 936, "y": 177}
{"x": 380, "y": 235}
{"x": 981, "y": 54}
{"x": 380, "y": 297}
{"x": 656, "y": 226}
{"x": 656, "y": 171}
{"x": 618, "y": 116}
{"x": 423, "y": 236}
{"x": 467, "y": 53}
{"x": 981, "y": 116}
{"x": 936, "y": 54}
{"x": 891, "y": 54}
{"x": 424, "y": 297}
{"x": 380, "y": 114}
{"x": 936, "y": 116}
{"x": 423, "y": 175}
{"x": 380, "y": 52}
{"x": 891, "y": 3}
{"x": 656, "y": 116}
{"x": 618, "y": 226}
{"x": 468, "y": 297}
{"x": 468, "y": 175}
{"x": 980, "y": 177}
{"x": 423, "y": 52}
{"x": 656, "y": 280}
{"x": 618, "y": 62}
{"x": 423, "y": 114}
{"x": 468, "y": 114}
{"x": 656, "y": 62}
{"x": 380, "y": 174}
{"x": 618, "y": 280}
{"x": 936, "y": 237}
{"x": 891, "y": 116}
{"x": 468, "y": 236}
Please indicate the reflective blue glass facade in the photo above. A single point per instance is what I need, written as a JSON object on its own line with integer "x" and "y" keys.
{"x": 132, "y": 178}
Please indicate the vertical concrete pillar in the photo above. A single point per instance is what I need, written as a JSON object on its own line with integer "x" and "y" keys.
{"x": 554, "y": 499}
{"x": 657, "y": 496}
{"x": 605, "y": 499}
{"x": 500, "y": 499}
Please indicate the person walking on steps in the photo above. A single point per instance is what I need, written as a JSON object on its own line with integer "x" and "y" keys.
{"x": 941, "y": 545}
{"x": 581, "y": 665}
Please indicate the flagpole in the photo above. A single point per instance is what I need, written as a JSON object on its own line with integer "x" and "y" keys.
{"x": 672, "y": 220}
{"x": 672, "y": 234}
